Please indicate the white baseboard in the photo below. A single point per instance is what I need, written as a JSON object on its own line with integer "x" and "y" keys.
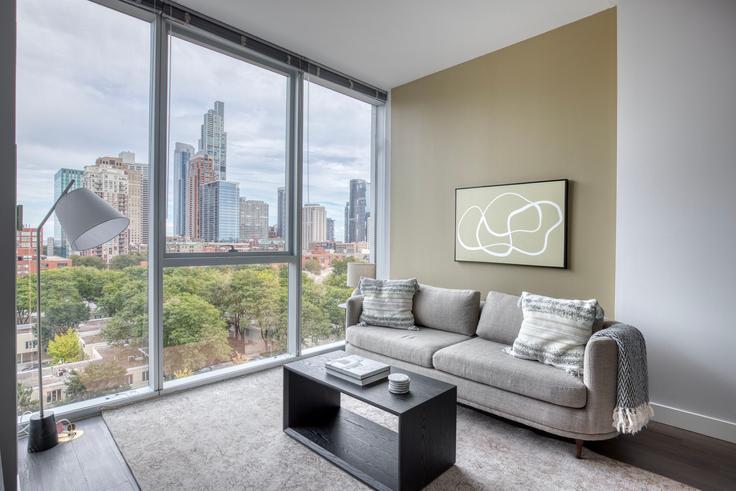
{"x": 699, "y": 423}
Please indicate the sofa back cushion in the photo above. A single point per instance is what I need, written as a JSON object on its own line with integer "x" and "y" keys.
{"x": 447, "y": 309}
{"x": 388, "y": 303}
{"x": 500, "y": 320}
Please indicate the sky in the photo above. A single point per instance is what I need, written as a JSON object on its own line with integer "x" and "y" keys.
{"x": 83, "y": 79}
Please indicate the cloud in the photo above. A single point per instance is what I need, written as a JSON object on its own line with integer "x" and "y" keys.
{"x": 83, "y": 92}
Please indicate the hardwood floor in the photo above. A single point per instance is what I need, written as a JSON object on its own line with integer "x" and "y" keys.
{"x": 93, "y": 462}
{"x": 699, "y": 461}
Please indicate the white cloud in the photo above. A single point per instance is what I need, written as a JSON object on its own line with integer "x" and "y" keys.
{"x": 83, "y": 92}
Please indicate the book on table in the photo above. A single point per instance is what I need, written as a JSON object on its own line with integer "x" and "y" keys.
{"x": 357, "y": 367}
{"x": 357, "y": 381}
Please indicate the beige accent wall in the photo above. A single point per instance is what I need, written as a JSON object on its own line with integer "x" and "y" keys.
{"x": 544, "y": 108}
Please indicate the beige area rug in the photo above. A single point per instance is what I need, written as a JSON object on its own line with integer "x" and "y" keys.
{"x": 228, "y": 436}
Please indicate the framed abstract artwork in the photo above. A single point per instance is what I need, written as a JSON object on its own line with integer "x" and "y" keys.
{"x": 523, "y": 224}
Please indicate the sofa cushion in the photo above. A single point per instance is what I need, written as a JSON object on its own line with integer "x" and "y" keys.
{"x": 411, "y": 346}
{"x": 555, "y": 331}
{"x": 388, "y": 302}
{"x": 447, "y": 309}
{"x": 484, "y": 361}
{"x": 500, "y": 319}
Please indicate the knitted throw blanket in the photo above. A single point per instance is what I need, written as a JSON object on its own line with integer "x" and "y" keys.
{"x": 632, "y": 411}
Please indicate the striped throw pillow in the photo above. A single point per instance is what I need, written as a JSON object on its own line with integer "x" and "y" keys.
{"x": 555, "y": 331}
{"x": 388, "y": 303}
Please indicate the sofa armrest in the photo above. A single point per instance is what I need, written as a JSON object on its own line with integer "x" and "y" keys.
{"x": 600, "y": 375}
{"x": 354, "y": 306}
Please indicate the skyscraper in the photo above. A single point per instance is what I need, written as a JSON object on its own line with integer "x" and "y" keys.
{"x": 219, "y": 217}
{"x": 143, "y": 200}
{"x": 108, "y": 178}
{"x": 314, "y": 224}
{"x": 182, "y": 153}
{"x": 281, "y": 225}
{"x": 62, "y": 178}
{"x": 357, "y": 211}
{"x": 213, "y": 139}
{"x": 330, "y": 229}
{"x": 253, "y": 220}
{"x": 200, "y": 171}
{"x": 346, "y": 231}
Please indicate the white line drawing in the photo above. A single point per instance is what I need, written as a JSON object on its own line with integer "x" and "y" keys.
{"x": 507, "y": 247}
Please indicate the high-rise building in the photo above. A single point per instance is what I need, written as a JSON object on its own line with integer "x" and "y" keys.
{"x": 330, "y": 229}
{"x": 357, "y": 211}
{"x": 108, "y": 178}
{"x": 219, "y": 217}
{"x": 346, "y": 231}
{"x": 62, "y": 178}
{"x": 143, "y": 202}
{"x": 138, "y": 198}
{"x": 199, "y": 172}
{"x": 281, "y": 225}
{"x": 182, "y": 153}
{"x": 314, "y": 224}
{"x": 253, "y": 220}
{"x": 213, "y": 139}
{"x": 371, "y": 230}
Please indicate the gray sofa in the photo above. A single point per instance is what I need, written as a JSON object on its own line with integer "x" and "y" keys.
{"x": 460, "y": 340}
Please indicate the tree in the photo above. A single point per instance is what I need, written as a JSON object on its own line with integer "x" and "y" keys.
{"x": 25, "y": 403}
{"x": 66, "y": 347}
{"x": 62, "y": 306}
{"x": 260, "y": 301}
{"x": 122, "y": 262}
{"x": 75, "y": 390}
{"x": 25, "y": 298}
{"x": 92, "y": 261}
{"x": 313, "y": 266}
{"x": 195, "y": 335}
{"x": 99, "y": 378}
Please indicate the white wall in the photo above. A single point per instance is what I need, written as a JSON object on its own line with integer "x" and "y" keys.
{"x": 676, "y": 203}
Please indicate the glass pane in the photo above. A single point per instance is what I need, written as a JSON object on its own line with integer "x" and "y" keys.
{"x": 218, "y": 316}
{"x": 337, "y": 226}
{"x": 82, "y": 115}
{"x": 227, "y": 153}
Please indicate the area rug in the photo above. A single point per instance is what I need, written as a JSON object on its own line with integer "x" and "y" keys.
{"x": 229, "y": 436}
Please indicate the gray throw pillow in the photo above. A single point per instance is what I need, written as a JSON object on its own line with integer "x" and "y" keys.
{"x": 388, "y": 303}
{"x": 555, "y": 331}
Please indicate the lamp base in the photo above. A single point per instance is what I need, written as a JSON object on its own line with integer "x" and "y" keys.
{"x": 42, "y": 433}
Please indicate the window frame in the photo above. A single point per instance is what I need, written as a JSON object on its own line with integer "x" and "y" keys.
{"x": 162, "y": 28}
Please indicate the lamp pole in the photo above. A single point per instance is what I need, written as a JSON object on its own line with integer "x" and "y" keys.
{"x": 38, "y": 296}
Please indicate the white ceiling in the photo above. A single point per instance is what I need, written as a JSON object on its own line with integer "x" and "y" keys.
{"x": 390, "y": 42}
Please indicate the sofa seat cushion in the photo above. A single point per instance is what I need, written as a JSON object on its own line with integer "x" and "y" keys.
{"x": 411, "y": 346}
{"x": 485, "y": 361}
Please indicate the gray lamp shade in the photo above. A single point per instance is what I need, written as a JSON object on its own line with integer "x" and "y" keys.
{"x": 358, "y": 270}
{"x": 88, "y": 220}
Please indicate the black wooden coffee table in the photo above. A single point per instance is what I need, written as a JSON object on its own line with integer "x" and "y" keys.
{"x": 423, "y": 448}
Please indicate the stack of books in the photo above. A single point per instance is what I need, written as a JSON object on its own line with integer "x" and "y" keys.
{"x": 358, "y": 370}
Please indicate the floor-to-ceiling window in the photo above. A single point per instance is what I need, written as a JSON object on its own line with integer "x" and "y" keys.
{"x": 226, "y": 200}
{"x": 248, "y": 189}
{"x": 83, "y": 83}
{"x": 337, "y": 212}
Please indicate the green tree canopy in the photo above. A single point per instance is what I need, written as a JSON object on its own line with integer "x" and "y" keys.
{"x": 92, "y": 261}
{"x": 66, "y": 347}
{"x": 100, "y": 378}
{"x": 122, "y": 262}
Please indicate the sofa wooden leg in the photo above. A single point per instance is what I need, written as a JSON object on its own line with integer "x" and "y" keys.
{"x": 579, "y": 449}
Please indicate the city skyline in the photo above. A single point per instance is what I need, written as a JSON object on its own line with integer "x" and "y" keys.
{"x": 84, "y": 127}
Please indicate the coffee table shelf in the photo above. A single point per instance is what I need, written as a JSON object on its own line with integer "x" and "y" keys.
{"x": 422, "y": 449}
{"x": 356, "y": 444}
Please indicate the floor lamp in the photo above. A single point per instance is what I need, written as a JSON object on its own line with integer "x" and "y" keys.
{"x": 88, "y": 221}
